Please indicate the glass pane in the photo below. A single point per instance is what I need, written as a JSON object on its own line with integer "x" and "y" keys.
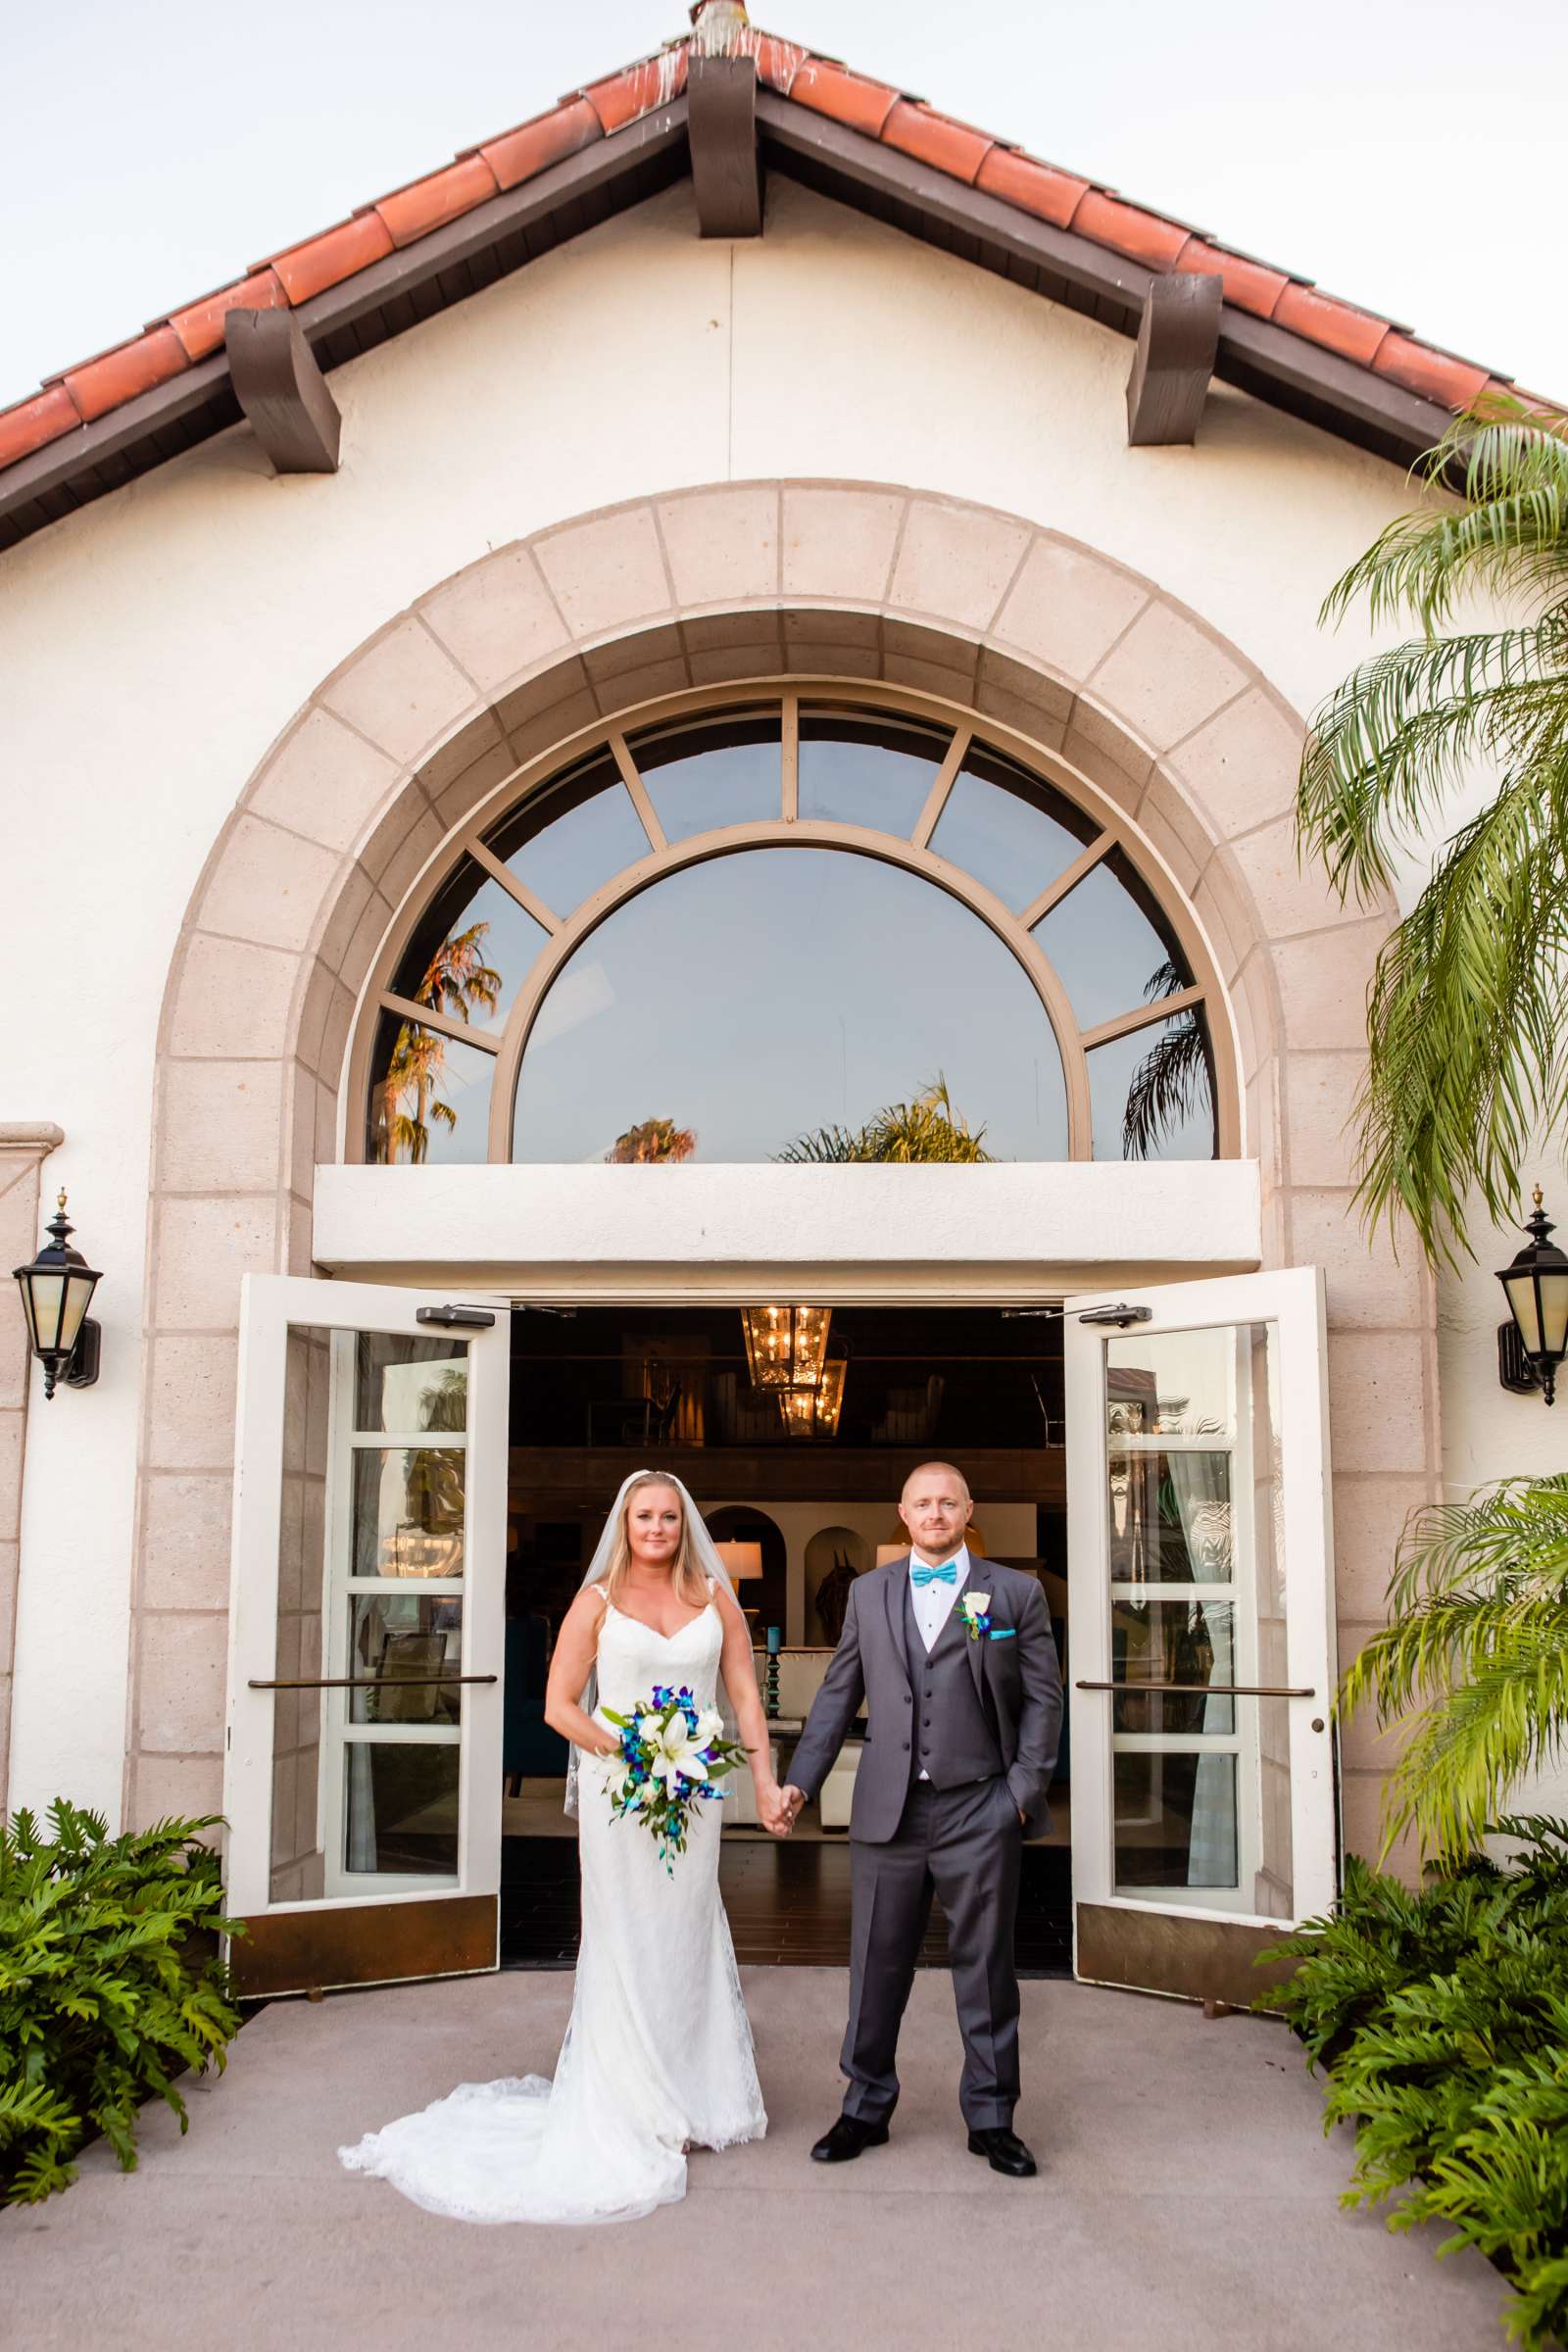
{"x": 406, "y": 1511}
{"x": 568, "y": 843}
{"x": 760, "y": 998}
{"x": 1007, "y": 829}
{"x": 406, "y": 1635}
{"x": 1172, "y": 1641}
{"x": 1176, "y": 1822}
{"x": 297, "y": 1860}
{"x": 1171, "y": 1519}
{"x": 401, "y": 1803}
{"x": 1109, "y": 943}
{"x": 1153, "y": 1092}
{"x": 861, "y": 768}
{"x": 1171, "y": 1384}
{"x": 471, "y": 953}
{"x": 729, "y": 771}
{"x": 430, "y": 1097}
{"x": 409, "y": 1383}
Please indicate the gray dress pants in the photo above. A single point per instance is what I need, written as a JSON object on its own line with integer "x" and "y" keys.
{"x": 963, "y": 1844}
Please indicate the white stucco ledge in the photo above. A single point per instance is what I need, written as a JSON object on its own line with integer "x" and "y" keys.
{"x": 939, "y": 1233}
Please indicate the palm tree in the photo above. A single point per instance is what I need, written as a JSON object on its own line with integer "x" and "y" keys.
{"x": 1174, "y": 1078}
{"x": 928, "y": 1129}
{"x": 652, "y": 1142}
{"x": 1466, "y": 1053}
{"x": 1480, "y": 1625}
{"x": 1465, "y": 1028}
{"x": 456, "y": 980}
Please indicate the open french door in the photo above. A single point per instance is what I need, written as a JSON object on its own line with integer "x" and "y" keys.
{"x": 366, "y": 1634}
{"x": 1200, "y": 1607}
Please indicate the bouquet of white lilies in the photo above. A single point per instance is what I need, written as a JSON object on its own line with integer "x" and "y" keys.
{"x": 674, "y": 1757}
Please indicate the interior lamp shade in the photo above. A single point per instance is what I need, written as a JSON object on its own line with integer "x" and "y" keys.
{"x": 741, "y": 1560}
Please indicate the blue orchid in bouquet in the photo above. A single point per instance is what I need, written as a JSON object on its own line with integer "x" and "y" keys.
{"x": 674, "y": 1757}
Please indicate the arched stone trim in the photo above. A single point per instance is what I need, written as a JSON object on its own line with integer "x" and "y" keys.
{"x": 505, "y": 663}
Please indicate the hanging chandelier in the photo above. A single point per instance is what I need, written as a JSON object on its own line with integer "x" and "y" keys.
{"x": 814, "y": 1412}
{"x": 785, "y": 1346}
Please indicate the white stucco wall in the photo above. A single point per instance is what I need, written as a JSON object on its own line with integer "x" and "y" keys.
{"x": 154, "y": 646}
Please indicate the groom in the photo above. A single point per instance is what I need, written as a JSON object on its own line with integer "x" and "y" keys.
{"x": 955, "y": 1661}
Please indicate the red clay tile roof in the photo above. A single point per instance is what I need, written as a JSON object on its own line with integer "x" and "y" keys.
{"x": 821, "y": 85}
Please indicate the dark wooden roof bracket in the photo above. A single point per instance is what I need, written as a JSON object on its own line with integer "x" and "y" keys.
{"x": 726, "y": 166}
{"x": 282, "y": 391}
{"x": 1173, "y": 361}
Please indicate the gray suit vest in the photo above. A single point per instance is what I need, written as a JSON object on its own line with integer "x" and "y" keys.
{"x": 954, "y": 1741}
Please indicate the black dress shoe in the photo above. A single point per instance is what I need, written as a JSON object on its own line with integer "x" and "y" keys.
{"x": 847, "y": 2139}
{"x": 1005, "y": 2152}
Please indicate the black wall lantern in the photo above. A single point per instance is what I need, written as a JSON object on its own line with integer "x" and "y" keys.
{"x": 1532, "y": 1345}
{"x": 56, "y": 1292}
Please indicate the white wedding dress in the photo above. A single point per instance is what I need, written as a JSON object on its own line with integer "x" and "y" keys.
{"x": 658, "y": 2052}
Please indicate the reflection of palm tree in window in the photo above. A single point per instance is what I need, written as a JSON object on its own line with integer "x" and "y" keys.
{"x": 444, "y": 1404}
{"x": 1173, "y": 1080}
{"x": 456, "y": 981}
{"x": 653, "y": 1143}
{"x": 926, "y": 1130}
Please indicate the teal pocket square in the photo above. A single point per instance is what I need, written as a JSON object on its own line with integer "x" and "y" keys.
{"x": 1004, "y": 1632}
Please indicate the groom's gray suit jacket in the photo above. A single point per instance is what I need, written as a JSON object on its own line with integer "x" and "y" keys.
{"x": 1009, "y": 1722}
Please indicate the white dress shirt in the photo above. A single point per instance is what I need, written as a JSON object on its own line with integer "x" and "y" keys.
{"x": 934, "y": 1603}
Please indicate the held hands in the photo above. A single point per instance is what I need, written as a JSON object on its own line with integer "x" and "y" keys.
{"x": 780, "y": 1809}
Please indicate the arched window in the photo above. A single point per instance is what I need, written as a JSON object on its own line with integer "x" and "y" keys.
{"x": 800, "y": 930}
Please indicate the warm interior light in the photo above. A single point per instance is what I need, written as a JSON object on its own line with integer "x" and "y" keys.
{"x": 741, "y": 1560}
{"x": 814, "y": 1412}
{"x": 785, "y": 1346}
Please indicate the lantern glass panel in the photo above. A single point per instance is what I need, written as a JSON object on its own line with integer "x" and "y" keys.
{"x": 45, "y": 1297}
{"x": 79, "y": 1289}
{"x": 1526, "y": 1305}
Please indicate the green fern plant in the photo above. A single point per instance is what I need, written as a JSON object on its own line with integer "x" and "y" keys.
{"x": 1439, "y": 2018}
{"x": 109, "y": 1986}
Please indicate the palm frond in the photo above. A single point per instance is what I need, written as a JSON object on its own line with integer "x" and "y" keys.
{"x": 1466, "y": 1047}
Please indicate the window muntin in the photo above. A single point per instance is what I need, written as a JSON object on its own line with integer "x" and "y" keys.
{"x": 721, "y": 772}
{"x": 867, "y": 767}
{"x": 575, "y": 839}
{"x": 1108, "y": 943}
{"x": 1099, "y": 951}
{"x": 1009, "y": 830}
{"x": 762, "y": 998}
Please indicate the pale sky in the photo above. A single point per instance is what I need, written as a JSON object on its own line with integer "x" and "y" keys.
{"x": 1407, "y": 158}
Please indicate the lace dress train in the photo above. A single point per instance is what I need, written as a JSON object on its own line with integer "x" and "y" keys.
{"x": 658, "y": 2052}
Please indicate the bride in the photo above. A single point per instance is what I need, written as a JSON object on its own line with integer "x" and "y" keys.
{"x": 658, "y": 2054}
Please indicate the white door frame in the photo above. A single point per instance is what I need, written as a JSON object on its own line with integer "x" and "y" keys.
{"x": 1292, "y": 1302}
{"x": 272, "y": 1305}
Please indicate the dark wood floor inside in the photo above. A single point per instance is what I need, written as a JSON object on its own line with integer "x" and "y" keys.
{"x": 788, "y": 1905}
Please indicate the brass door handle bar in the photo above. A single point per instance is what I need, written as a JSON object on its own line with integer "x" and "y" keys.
{"x": 1202, "y": 1690}
{"x": 373, "y": 1682}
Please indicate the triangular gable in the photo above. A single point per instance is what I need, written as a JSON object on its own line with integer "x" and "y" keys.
{"x": 497, "y": 206}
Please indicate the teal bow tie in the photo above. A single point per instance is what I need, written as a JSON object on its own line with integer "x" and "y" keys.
{"x": 921, "y": 1575}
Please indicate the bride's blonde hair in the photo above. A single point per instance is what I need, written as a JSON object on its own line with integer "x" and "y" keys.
{"x": 687, "y": 1578}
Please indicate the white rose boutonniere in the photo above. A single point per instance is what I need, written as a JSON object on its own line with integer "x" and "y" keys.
{"x": 976, "y": 1620}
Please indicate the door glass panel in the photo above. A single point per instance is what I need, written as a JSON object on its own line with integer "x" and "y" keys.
{"x": 729, "y": 771}
{"x": 430, "y": 1097}
{"x": 405, "y": 1640}
{"x": 473, "y": 950}
{"x": 784, "y": 993}
{"x": 1201, "y": 1772}
{"x": 863, "y": 768}
{"x": 401, "y": 1808}
{"x": 1007, "y": 829}
{"x": 1170, "y": 1518}
{"x": 563, "y": 846}
{"x": 1176, "y": 1822}
{"x": 1152, "y": 1092}
{"x": 407, "y": 1505}
{"x": 410, "y": 1385}
{"x": 297, "y": 1860}
{"x": 1186, "y": 1642}
{"x": 1109, "y": 943}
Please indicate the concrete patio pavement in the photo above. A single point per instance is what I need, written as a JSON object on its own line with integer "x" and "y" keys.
{"x": 1186, "y": 2202}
